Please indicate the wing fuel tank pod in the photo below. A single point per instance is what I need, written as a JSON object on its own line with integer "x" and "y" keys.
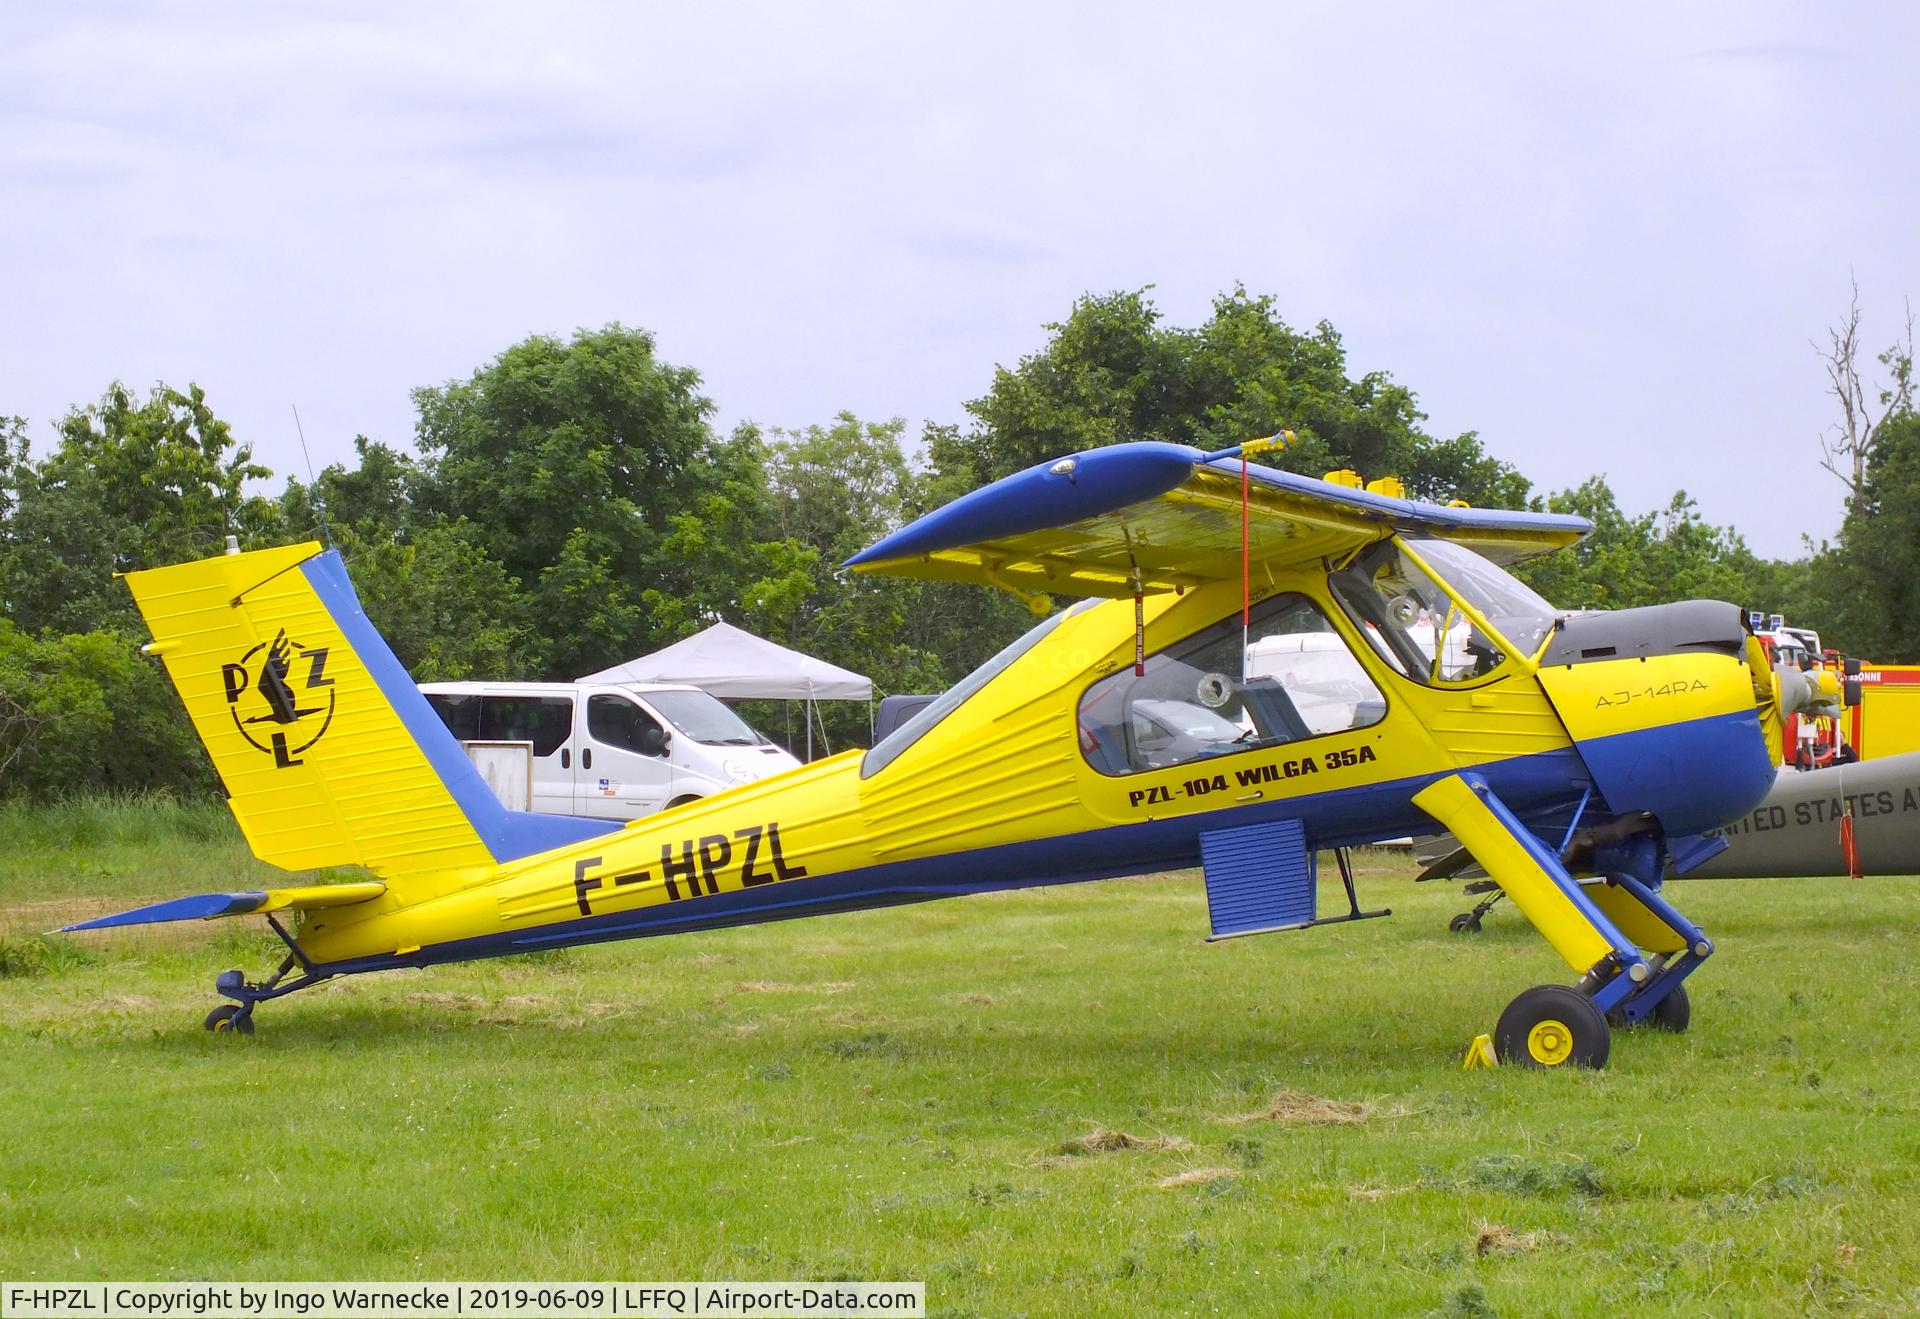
{"x": 1649, "y": 696}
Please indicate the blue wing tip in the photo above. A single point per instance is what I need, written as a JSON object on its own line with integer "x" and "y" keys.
{"x": 1048, "y": 494}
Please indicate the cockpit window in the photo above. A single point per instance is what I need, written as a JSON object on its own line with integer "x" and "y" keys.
{"x": 1420, "y": 629}
{"x": 1286, "y": 677}
{"x": 890, "y": 747}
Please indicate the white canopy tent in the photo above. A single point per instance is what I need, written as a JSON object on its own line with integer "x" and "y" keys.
{"x": 736, "y": 665}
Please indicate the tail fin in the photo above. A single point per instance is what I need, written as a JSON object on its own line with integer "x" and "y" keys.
{"x": 329, "y": 753}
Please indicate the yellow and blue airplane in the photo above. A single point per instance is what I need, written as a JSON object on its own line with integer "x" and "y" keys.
{"x": 1260, "y": 666}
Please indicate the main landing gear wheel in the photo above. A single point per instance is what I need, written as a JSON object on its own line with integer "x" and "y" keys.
{"x": 1553, "y": 1026}
{"x": 231, "y": 1019}
{"x": 1467, "y": 922}
{"x": 1672, "y": 1013}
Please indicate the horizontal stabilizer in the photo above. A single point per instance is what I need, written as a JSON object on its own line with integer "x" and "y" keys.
{"x": 207, "y": 906}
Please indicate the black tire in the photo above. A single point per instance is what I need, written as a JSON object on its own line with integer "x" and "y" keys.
{"x": 1553, "y": 1026}
{"x": 1465, "y": 923}
{"x": 230, "y": 1018}
{"x": 1672, "y": 1013}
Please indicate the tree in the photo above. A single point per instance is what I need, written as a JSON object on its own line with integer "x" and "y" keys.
{"x": 838, "y": 488}
{"x": 169, "y": 471}
{"x": 13, "y": 459}
{"x": 572, "y": 461}
{"x": 1651, "y": 558}
{"x": 131, "y": 484}
{"x": 1874, "y": 569}
{"x": 1111, "y": 371}
{"x": 448, "y": 611}
{"x": 1848, "y": 447}
{"x": 87, "y": 712}
{"x": 832, "y": 491}
{"x": 375, "y": 497}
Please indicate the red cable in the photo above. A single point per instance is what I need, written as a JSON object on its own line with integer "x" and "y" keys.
{"x": 1246, "y": 562}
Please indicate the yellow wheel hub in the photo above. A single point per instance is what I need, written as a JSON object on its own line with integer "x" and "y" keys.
{"x": 1550, "y": 1043}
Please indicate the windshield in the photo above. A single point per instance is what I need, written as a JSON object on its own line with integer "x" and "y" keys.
{"x": 703, "y": 718}
{"x": 890, "y": 747}
{"x": 1418, "y": 628}
{"x": 1515, "y": 610}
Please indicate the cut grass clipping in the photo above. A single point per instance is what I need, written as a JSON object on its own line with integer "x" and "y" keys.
{"x": 1296, "y": 1107}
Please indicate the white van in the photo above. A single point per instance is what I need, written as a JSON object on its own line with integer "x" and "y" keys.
{"x": 616, "y": 752}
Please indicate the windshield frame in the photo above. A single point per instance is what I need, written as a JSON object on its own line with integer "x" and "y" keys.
{"x": 1512, "y": 658}
{"x": 1473, "y": 611}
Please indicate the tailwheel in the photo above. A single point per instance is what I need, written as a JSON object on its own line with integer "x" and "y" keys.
{"x": 231, "y": 1019}
{"x": 1553, "y": 1026}
{"x": 1468, "y": 922}
{"x": 1672, "y": 1013}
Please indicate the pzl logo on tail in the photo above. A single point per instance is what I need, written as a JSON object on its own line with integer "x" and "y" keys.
{"x": 291, "y": 681}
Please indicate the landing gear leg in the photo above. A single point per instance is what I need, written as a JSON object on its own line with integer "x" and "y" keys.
{"x": 1601, "y": 935}
{"x": 1678, "y": 946}
{"x": 1672, "y": 1013}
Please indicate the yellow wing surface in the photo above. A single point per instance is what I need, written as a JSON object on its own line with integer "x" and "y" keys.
{"x": 1084, "y": 525}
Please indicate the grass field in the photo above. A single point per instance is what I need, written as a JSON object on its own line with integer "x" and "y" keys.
{"x": 911, "y": 1093}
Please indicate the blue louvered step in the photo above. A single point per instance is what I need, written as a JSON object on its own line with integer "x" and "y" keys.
{"x": 1260, "y": 877}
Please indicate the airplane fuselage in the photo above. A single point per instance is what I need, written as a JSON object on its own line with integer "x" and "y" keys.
{"x": 1003, "y": 792}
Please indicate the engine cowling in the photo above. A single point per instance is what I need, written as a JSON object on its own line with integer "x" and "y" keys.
{"x": 1662, "y": 705}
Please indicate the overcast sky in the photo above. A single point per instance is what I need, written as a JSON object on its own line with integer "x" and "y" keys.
{"x": 1603, "y": 241}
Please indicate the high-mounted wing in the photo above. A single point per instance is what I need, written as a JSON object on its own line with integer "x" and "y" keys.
{"x": 1080, "y": 525}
